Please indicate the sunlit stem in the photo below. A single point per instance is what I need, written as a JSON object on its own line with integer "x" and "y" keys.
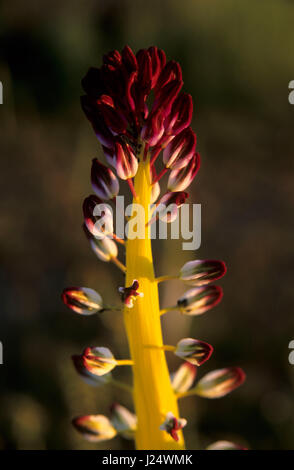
{"x": 121, "y": 385}
{"x": 119, "y": 264}
{"x": 154, "y": 396}
{"x": 165, "y": 278}
{"x": 163, "y": 311}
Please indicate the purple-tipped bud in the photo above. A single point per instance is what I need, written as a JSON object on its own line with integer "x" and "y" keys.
{"x": 126, "y": 162}
{"x": 156, "y": 64}
{"x": 182, "y": 380}
{"x": 172, "y": 425}
{"x": 129, "y": 59}
{"x": 181, "y": 178}
{"x": 86, "y": 375}
{"x": 155, "y": 191}
{"x": 219, "y": 383}
{"x": 166, "y": 96}
{"x": 82, "y": 300}
{"x": 104, "y": 248}
{"x": 180, "y": 115}
{"x": 200, "y": 299}
{"x": 169, "y": 204}
{"x": 201, "y": 272}
{"x": 194, "y": 351}
{"x": 129, "y": 294}
{"x": 98, "y": 216}
{"x": 123, "y": 420}
{"x": 94, "y": 428}
{"x": 104, "y": 181}
{"x": 153, "y": 129}
{"x": 99, "y": 360}
{"x": 180, "y": 150}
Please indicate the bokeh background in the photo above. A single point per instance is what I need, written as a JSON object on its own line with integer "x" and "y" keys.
{"x": 237, "y": 60}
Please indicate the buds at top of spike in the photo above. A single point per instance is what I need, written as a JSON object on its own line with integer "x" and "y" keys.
{"x": 112, "y": 58}
{"x": 158, "y": 61}
{"x": 99, "y": 360}
{"x": 129, "y": 294}
{"x": 114, "y": 120}
{"x": 91, "y": 379}
{"x": 126, "y": 162}
{"x": 82, "y": 300}
{"x": 220, "y": 382}
{"x": 168, "y": 205}
{"x": 200, "y": 299}
{"x": 167, "y": 95}
{"x": 201, "y": 272}
{"x": 153, "y": 129}
{"x": 181, "y": 178}
{"x": 184, "y": 377}
{"x": 94, "y": 428}
{"x": 98, "y": 217}
{"x": 224, "y": 445}
{"x": 194, "y": 351}
{"x": 180, "y": 115}
{"x": 180, "y": 150}
{"x": 105, "y": 249}
{"x": 104, "y": 181}
{"x": 123, "y": 420}
{"x": 172, "y": 425}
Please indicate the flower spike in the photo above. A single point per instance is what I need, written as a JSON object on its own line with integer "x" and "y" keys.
{"x": 82, "y": 300}
{"x": 172, "y": 425}
{"x": 194, "y": 351}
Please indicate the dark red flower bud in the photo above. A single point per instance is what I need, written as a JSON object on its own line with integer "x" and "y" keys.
{"x": 129, "y": 294}
{"x": 129, "y": 59}
{"x": 153, "y": 130}
{"x": 180, "y": 150}
{"x": 169, "y": 205}
{"x": 102, "y": 132}
{"x": 171, "y": 71}
{"x": 126, "y": 163}
{"x": 180, "y": 115}
{"x": 104, "y": 181}
{"x": 156, "y": 64}
{"x": 114, "y": 119}
{"x": 181, "y": 178}
{"x": 166, "y": 96}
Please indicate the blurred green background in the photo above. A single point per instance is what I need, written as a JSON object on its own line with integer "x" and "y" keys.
{"x": 237, "y": 60}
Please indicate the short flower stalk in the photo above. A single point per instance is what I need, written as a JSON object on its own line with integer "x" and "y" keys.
{"x": 134, "y": 130}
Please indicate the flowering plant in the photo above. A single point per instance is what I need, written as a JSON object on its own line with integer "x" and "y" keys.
{"x": 137, "y": 110}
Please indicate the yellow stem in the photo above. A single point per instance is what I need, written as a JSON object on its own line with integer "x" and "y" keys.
{"x": 124, "y": 362}
{"x": 153, "y": 393}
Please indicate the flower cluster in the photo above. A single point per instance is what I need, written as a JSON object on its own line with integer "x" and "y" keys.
{"x": 137, "y": 110}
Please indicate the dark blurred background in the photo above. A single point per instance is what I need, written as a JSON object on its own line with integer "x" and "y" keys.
{"x": 237, "y": 61}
